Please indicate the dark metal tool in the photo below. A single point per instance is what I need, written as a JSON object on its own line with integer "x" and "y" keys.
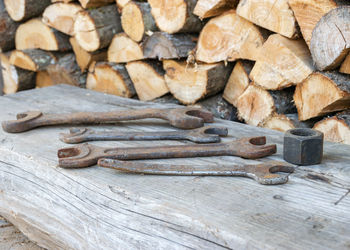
{"x": 207, "y": 134}
{"x": 185, "y": 118}
{"x": 264, "y": 173}
{"x": 85, "y": 155}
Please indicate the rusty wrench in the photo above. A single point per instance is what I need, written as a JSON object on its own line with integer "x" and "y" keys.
{"x": 185, "y": 118}
{"x": 205, "y": 134}
{"x": 85, "y": 155}
{"x": 264, "y": 173}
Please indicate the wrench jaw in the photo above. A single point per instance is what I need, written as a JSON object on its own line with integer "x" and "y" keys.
{"x": 76, "y": 135}
{"x": 80, "y": 156}
{"x": 269, "y": 173}
{"x": 189, "y": 118}
{"x": 207, "y": 134}
{"x": 25, "y": 121}
{"x": 253, "y": 148}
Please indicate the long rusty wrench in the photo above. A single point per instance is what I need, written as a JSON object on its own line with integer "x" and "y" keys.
{"x": 207, "y": 134}
{"x": 264, "y": 173}
{"x": 85, "y": 155}
{"x": 185, "y": 118}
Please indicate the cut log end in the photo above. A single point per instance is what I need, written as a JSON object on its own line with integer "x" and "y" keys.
{"x": 210, "y": 8}
{"x": 278, "y": 122}
{"x": 123, "y": 49}
{"x": 132, "y": 21}
{"x": 31, "y": 59}
{"x": 21, "y": 10}
{"x": 86, "y": 33}
{"x": 95, "y": 3}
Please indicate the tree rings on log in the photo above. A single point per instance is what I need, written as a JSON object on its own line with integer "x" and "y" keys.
{"x": 32, "y": 59}
{"x": 21, "y": 10}
{"x": 228, "y": 37}
{"x": 189, "y": 84}
{"x": 123, "y": 49}
{"x": 211, "y": 8}
{"x": 110, "y": 78}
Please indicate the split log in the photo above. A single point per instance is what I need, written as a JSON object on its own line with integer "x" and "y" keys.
{"x": 166, "y": 46}
{"x": 175, "y": 16}
{"x": 95, "y": 28}
{"x": 282, "y": 63}
{"x": 229, "y": 37}
{"x": 34, "y": 34}
{"x": 274, "y": 15}
{"x": 43, "y": 79}
{"x": 256, "y": 105}
{"x": 122, "y": 3}
{"x": 330, "y": 42}
{"x": 95, "y": 3}
{"x": 148, "y": 79}
{"x": 61, "y": 16}
{"x": 15, "y": 79}
{"x": 123, "y": 49}
{"x": 308, "y": 13}
{"x": 322, "y": 93}
{"x": 137, "y": 20}
{"x": 7, "y": 29}
{"x": 190, "y": 84}
{"x": 85, "y": 58}
{"x": 238, "y": 81}
{"x": 32, "y": 59}
{"x": 67, "y": 71}
{"x": 110, "y": 78}
{"x": 22, "y": 10}
{"x": 211, "y": 8}
{"x": 336, "y": 128}
{"x": 345, "y": 66}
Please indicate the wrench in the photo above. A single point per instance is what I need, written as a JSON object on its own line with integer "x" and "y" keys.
{"x": 205, "y": 134}
{"x": 264, "y": 173}
{"x": 185, "y": 118}
{"x": 85, "y": 155}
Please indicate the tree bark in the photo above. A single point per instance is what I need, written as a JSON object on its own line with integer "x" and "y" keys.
{"x": 190, "y": 84}
{"x": 228, "y": 37}
{"x": 123, "y": 49}
{"x": 211, "y": 8}
{"x": 110, "y": 78}
{"x": 148, "y": 79}
{"x": 330, "y": 42}
{"x": 95, "y": 28}
{"x": 322, "y": 93}
{"x": 22, "y": 10}
{"x": 32, "y": 59}
{"x": 7, "y": 29}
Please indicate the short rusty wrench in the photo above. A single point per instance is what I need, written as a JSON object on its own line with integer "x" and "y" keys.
{"x": 85, "y": 155}
{"x": 264, "y": 173}
{"x": 207, "y": 134}
{"x": 185, "y": 118}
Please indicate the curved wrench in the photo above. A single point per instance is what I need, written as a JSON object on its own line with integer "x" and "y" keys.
{"x": 205, "y": 134}
{"x": 85, "y": 155}
{"x": 264, "y": 173}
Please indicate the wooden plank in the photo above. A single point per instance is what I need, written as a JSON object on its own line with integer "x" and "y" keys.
{"x": 98, "y": 208}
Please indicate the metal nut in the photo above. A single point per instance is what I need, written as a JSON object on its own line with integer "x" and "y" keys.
{"x": 303, "y": 146}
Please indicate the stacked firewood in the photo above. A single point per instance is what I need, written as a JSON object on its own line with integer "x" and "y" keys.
{"x": 277, "y": 64}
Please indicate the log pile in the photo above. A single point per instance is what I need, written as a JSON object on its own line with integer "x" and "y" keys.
{"x": 275, "y": 64}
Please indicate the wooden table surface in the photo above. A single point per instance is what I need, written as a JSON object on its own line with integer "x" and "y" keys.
{"x": 97, "y": 208}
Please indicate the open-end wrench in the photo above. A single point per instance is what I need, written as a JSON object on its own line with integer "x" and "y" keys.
{"x": 185, "y": 118}
{"x": 264, "y": 173}
{"x": 205, "y": 134}
{"x": 85, "y": 155}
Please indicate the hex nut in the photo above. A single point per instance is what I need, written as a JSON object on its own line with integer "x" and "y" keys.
{"x": 303, "y": 146}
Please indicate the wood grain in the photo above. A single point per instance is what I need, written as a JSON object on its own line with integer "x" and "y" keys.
{"x": 98, "y": 208}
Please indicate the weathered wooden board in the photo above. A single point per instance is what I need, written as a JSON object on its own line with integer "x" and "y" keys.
{"x": 98, "y": 208}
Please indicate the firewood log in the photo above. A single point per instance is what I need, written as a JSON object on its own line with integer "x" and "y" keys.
{"x": 43, "y": 79}
{"x": 336, "y": 128}
{"x": 211, "y": 8}
{"x": 345, "y": 66}
{"x": 122, "y": 3}
{"x": 189, "y": 84}
{"x": 110, "y": 78}
{"x": 15, "y": 79}
{"x": 282, "y": 63}
{"x": 175, "y": 16}
{"x": 330, "y": 42}
{"x": 95, "y": 28}
{"x": 21, "y": 10}
{"x": 228, "y": 37}
{"x": 32, "y": 59}
{"x": 166, "y": 46}
{"x": 137, "y": 20}
{"x": 123, "y": 49}
{"x": 34, "y": 34}
{"x": 238, "y": 81}
{"x": 7, "y": 29}
{"x": 256, "y": 105}
{"x": 308, "y": 13}
{"x": 67, "y": 71}
{"x": 148, "y": 79}
{"x": 95, "y": 3}
{"x": 64, "y": 1}
{"x": 85, "y": 58}
{"x": 284, "y": 122}
{"x": 61, "y": 16}
{"x": 274, "y": 15}
{"x": 322, "y": 93}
